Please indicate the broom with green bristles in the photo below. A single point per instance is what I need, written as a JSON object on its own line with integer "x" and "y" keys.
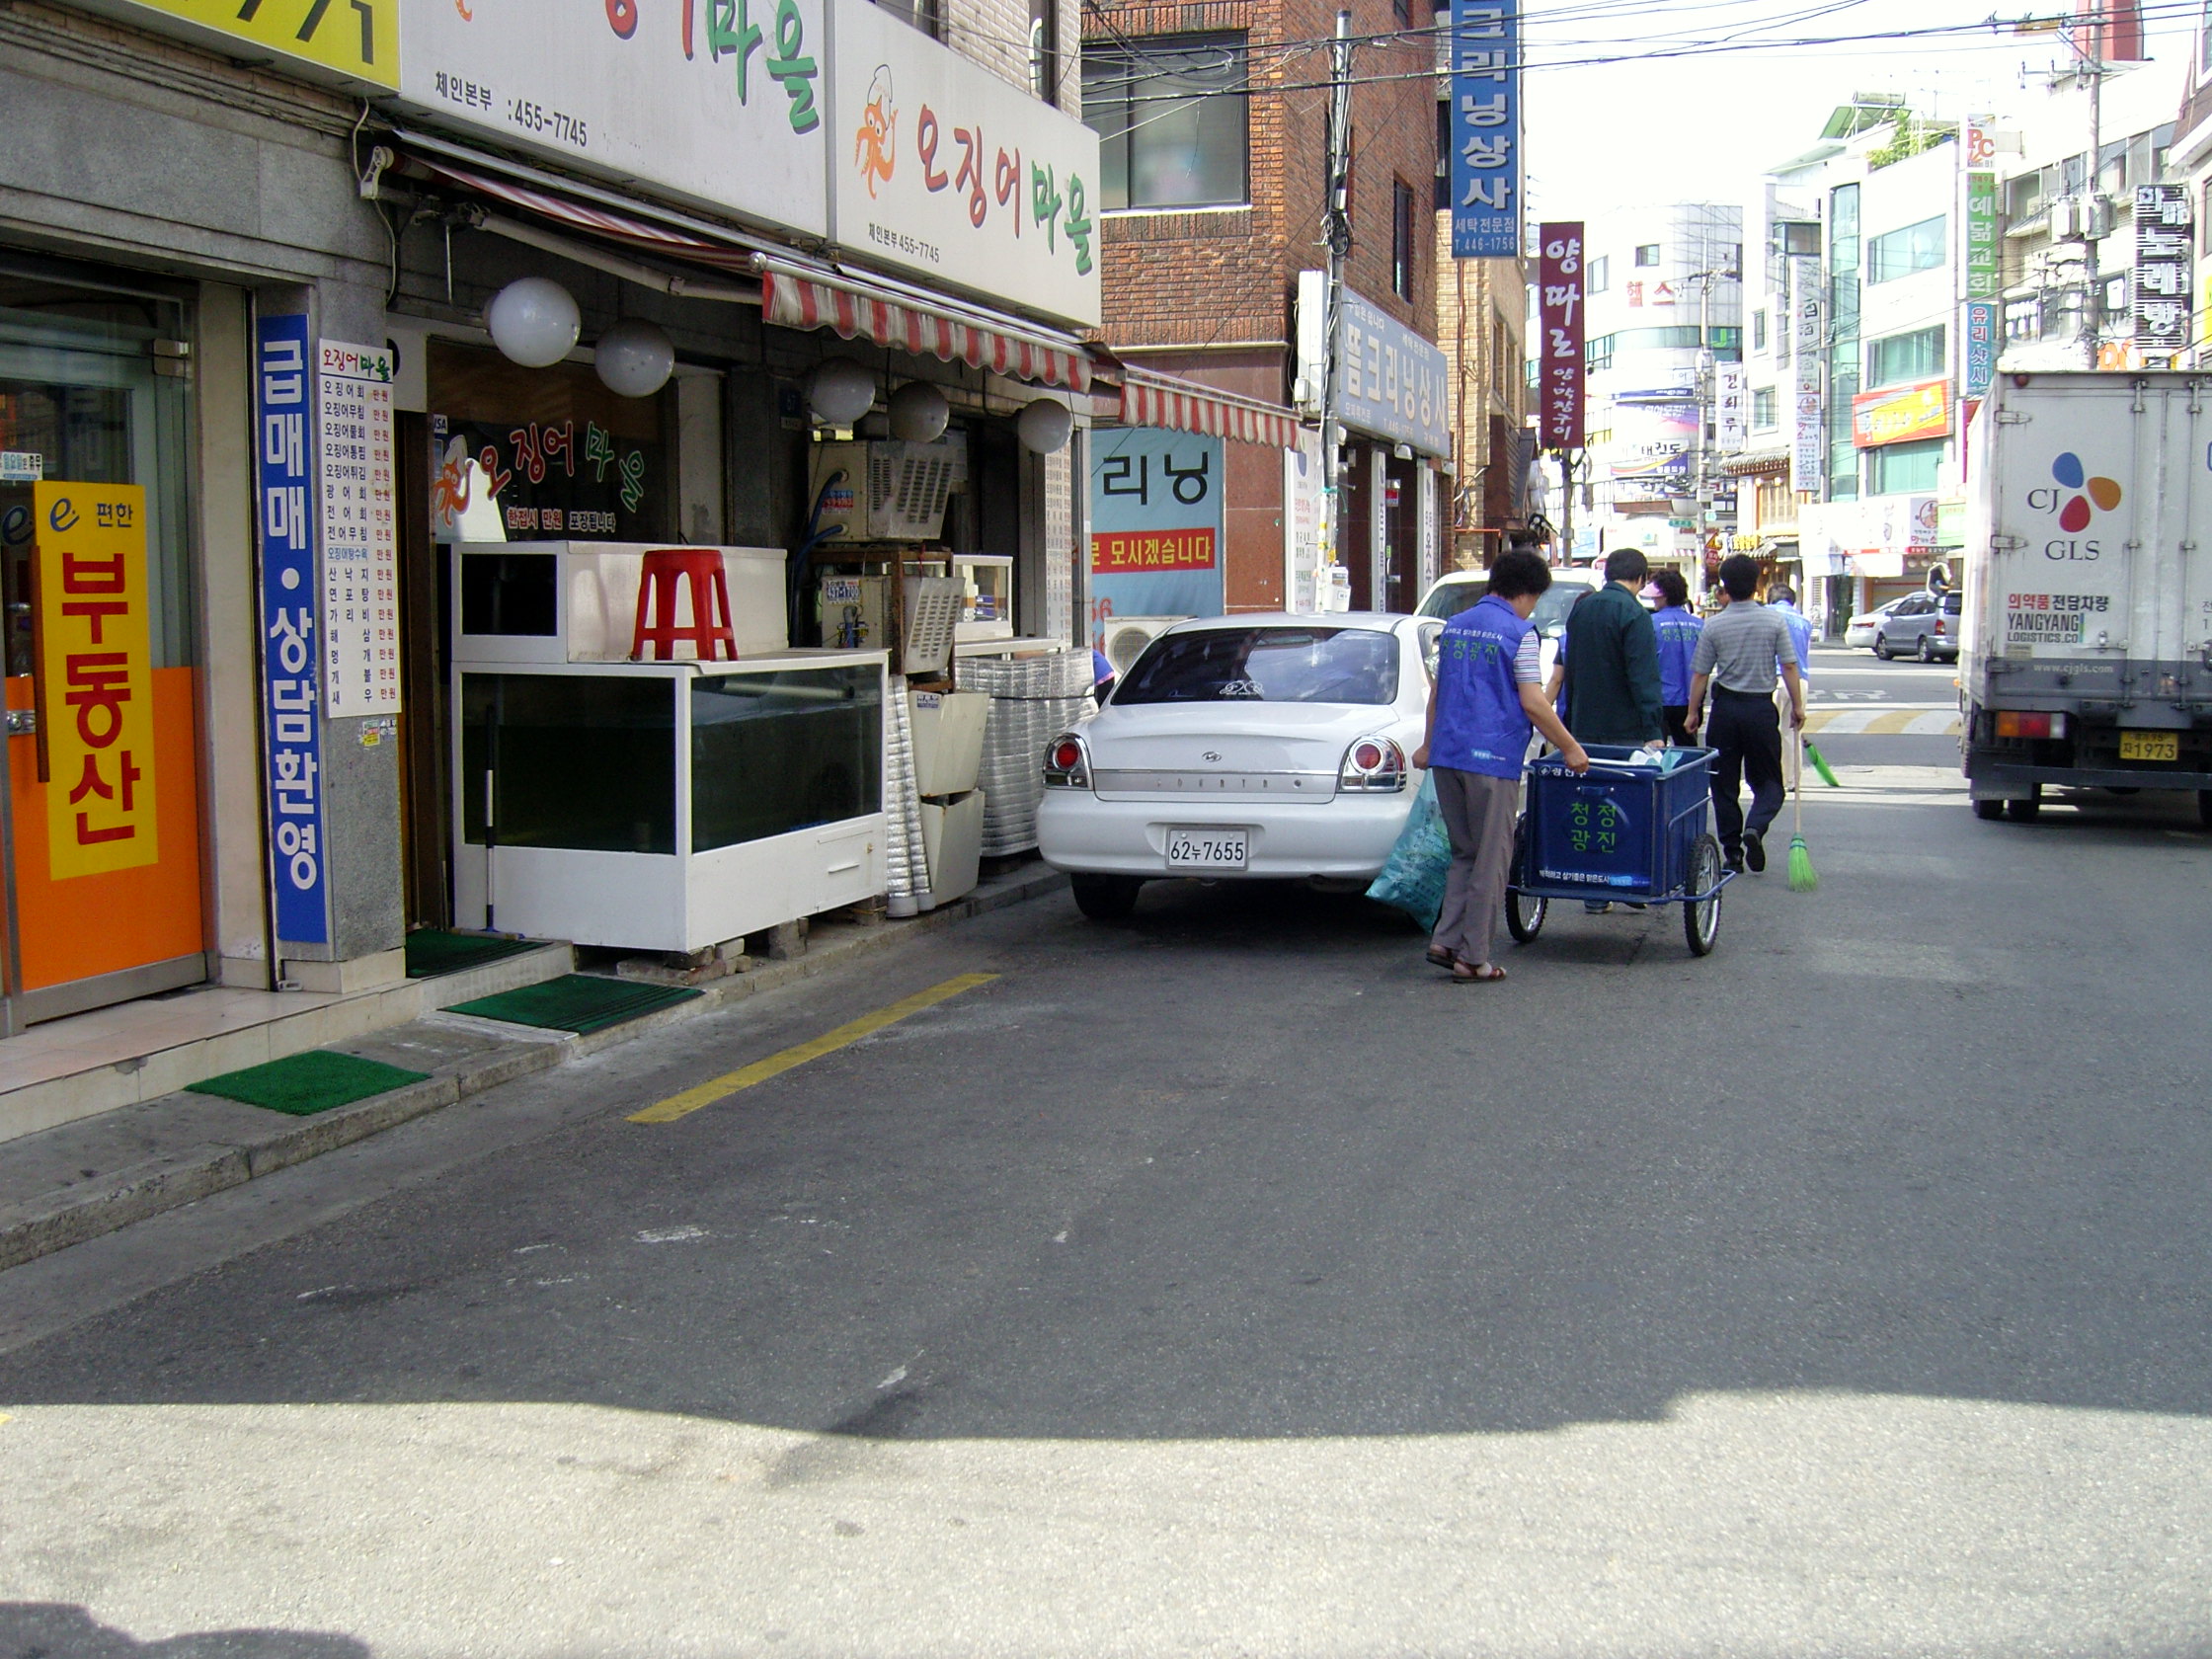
{"x": 1802, "y": 877}
{"x": 1821, "y": 765}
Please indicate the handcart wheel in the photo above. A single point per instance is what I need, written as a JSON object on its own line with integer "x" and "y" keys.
{"x": 1524, "y": 911}
{"x": 1700, "y": 918}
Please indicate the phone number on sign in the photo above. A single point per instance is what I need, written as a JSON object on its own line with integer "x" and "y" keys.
{"x": 537, "y": 118}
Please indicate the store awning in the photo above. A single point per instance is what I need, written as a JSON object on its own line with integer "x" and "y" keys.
{"x": 1150, "y": 399}
{"x": 797, "y": 296}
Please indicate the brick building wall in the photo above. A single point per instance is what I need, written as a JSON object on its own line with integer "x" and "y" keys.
{"x": 995, "y": 33}
{"x": 1482, "y": 326}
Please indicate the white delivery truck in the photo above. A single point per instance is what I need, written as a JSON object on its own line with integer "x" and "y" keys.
{"x": 2086, "y": 660}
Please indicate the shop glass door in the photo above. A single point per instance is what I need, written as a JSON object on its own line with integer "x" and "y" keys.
{"x": 100, "y": 822}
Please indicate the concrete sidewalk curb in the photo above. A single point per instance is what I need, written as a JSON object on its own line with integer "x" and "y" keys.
{"x": 491, "y": 1052}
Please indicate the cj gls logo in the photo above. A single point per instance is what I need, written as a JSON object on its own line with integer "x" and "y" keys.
{"x": 2075, "y": 498}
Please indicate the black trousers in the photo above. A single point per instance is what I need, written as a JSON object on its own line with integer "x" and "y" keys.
{"x": 1671, "y": 716}
{"x": 1746, "y": 727}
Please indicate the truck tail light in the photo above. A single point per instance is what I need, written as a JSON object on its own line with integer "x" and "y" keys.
{"x": 2014, "y": 725}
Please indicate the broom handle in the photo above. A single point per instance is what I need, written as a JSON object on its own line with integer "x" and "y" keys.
{"x": 1798, "y": 793}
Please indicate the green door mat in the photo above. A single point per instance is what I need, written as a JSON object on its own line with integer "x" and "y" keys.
{"x": 433, "y": 950}
{"x": 577, "y": 1002}
{"x": 302, "y": 1085}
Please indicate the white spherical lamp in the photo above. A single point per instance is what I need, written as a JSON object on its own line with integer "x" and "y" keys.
{"x": 533, "y": 322}
{"x": 1044, "y": 426}
{"x": 919, "y": 412}
{"x": 841, "y": 391}
{"x": 633, "y": 359}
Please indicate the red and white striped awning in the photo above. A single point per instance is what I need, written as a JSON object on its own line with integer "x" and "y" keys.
{"x": 795, "y": 298}
{"x": 1149, "y": 399}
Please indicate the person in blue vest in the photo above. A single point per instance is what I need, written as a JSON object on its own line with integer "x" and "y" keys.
{"x": 1783, "y": 601}
{"x": 1678, "y": 629}
{"x": 1487, "y": 695}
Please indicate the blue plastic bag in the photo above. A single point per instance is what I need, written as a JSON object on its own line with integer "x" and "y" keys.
{"x": 1413, "y": 875}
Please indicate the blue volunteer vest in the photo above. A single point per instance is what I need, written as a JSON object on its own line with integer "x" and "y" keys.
{"x": 1678, "y": 629}
{"x": 1480, "y": 725}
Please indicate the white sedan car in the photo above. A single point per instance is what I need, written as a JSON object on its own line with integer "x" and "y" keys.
{"x": 1264, "y": 746}
{"x": 1859, "y": 632}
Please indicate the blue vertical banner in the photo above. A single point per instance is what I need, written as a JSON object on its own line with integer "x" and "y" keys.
{"x": 1980, "y": 367}
{"x": 286, "y": 496}
{"x": 1485, "y": 128}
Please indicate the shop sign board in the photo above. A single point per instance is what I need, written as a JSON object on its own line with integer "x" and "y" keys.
{"x": 1983, "y": 278}
{"x": 1731, "y": 408}
{"x": 1808, "y": 449}
{"x": 1983, "y": 341}
{"x": 528, "y": 480}
{"x": 1485, "y": 128}
{"x": 2162, "y": 269}
{"x": 939, "y": 167}
{"x": 1391, "y": 383}
{"x": 1901, "y": 414}
{"x": 722, "y": 103}
{"x": 95, "y": 667}
{"x": 361, "y": 530}
{"x": 1559, "y": 375}
{"x": 286, "y": 499}
{"x": 343, "y": 40}
{"x": 1155, "y": 524}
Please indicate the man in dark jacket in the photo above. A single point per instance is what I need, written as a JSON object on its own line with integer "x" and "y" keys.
{"x": 1610, "y": 660}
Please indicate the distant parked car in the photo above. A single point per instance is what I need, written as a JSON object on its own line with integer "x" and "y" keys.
{"x": 1859, "y": 633}
{"x": 1925, "y": 625}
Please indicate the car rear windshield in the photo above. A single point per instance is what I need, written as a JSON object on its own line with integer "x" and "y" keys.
{"x": 1281, "y": 664}
{"x": 1450, "y": 598}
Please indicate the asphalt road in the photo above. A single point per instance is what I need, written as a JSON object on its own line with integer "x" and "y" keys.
{"x": 1226, "y": 1283}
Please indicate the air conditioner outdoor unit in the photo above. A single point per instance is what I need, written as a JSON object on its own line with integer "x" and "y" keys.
{"x": 2066, "y": 219}
{"x": 889, "y": 491}
{"x": 1127, "y": 637}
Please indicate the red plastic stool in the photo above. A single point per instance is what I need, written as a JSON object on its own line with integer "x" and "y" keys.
{"x": 710, "y": 629}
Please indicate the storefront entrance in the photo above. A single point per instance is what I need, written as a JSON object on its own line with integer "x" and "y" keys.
{"x": 100, "y": 822}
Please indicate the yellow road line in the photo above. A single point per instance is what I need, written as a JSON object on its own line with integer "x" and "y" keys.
{"x": 1883, "y": 723}
{"x": 760, "y": 1071}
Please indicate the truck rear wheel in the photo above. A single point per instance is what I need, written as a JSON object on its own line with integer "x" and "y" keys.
{"x": 2205, "y": 807}
{"x": 1989, "y": 812}
{"x": 2024, "y": 810}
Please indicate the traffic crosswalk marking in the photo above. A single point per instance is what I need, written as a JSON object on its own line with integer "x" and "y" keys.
{"x": 1885, "y": 723}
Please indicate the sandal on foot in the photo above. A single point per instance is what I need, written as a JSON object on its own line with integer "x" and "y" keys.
{"x": 1441, "y": 958}
{"x": 1480, "y": 973}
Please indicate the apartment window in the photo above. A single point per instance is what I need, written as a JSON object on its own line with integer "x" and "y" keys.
{"x": 1759, "y": 330}
{"x": 1905, "y": 252}
{"x": 1044, "y": 50}
{"x": 924, "y": 14}
{"x": 1598, "y": 354}
{"x": 1647, "y": 254}
{"x": 1598, "y": 274}
{"x": 2024, "y": 197}
{"x": 1405, "y": 240}
{"x": 1171, "y": 117}
{"x": 1766, "y": 409}
{"x": 1898, "y": 469}
{"x": 1896, "y": 357}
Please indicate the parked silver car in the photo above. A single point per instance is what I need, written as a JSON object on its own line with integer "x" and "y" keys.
{"x": 1923, "y": 625}
{"x": 1859, "y": 633}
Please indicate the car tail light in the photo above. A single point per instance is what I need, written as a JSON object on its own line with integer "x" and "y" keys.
{"x": 1373, "y": 765}
{"x": 1068, "y": 763}
{"x": 2014, "y": 725}
{"x": 1939, "y": 626}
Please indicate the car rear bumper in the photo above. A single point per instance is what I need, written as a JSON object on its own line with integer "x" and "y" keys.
{"x": 1349, "y": 835}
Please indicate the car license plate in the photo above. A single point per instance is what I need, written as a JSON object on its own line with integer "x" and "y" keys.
{"x": 1206, "y": 849}
{"x": 2150, "y": 745}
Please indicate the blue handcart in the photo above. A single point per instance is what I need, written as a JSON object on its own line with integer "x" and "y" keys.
{"x": 1622, "y": 830}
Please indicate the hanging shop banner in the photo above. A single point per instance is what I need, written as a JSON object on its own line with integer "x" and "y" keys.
{"x": 526, "y": 480}
{"x": 1731, "y": 408}
{"x": 361, "y": 530}
{"x": 2161, "y": 270}
{"x": 1155, "y": 524}
{"x": 285, "y": 435}
{"x": 1808, "y": 449}
{"x": 719, "y": 101}
{"x": 940, "y": 167}
{"x": 95, "y": 676}
{"x": 1653, "y": 438}
{"x": 1983, "y": 278}
{"x": 1980, "y": 333}
{"x": 1392, "y": 384}
{"x": 1560, "y": 376}
{"x": 1485, "y": 160}
{"x": 325, "y": 40}
{"x": 1901, "y": 414}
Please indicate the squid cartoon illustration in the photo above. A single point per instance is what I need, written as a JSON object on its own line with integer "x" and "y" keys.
{"x": 449, "y": 492}
{"x": 876, "y": 139}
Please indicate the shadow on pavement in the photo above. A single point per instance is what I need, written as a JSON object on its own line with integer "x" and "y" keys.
{"x": 61, "y": 1630}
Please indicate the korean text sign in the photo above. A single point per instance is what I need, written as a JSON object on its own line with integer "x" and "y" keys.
{"x": 1808, "y": 447}
{"x": 286, "y": 495}
{"x": 1485, "y": 128}
{"x": 96, "y": 668}
{"x": 939, "y": 166}
{"x": 361, "y": 530}
{"x": 1155, "y": 519}
{"x": 357, "y": 39}
{"x": 1393, "y": 383}
{"x": 1981, "y": 338}
{"x": 2162, "y": 269}
{"x": 1983, "y": 278}
{"x": 723, "y": 102}
{"x": 1559, "y": 383}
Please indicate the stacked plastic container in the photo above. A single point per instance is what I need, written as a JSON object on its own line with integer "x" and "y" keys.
{"x": 948, "y": 735}
{"x": 1034, "y": 700}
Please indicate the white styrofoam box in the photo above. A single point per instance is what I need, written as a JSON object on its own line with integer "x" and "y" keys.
{"x": 596, "y": 602}
{"x": 952, "y": 837}
{"x": 948, "y": 740}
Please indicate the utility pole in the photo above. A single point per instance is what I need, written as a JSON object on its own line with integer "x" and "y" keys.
{"x": 1336, "y": 233}
{"x": 1566, "y": 506}
{"x": 2093, "y": 221}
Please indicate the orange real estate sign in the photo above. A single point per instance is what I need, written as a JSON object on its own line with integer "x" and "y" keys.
{"x": 94, "y": 674}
